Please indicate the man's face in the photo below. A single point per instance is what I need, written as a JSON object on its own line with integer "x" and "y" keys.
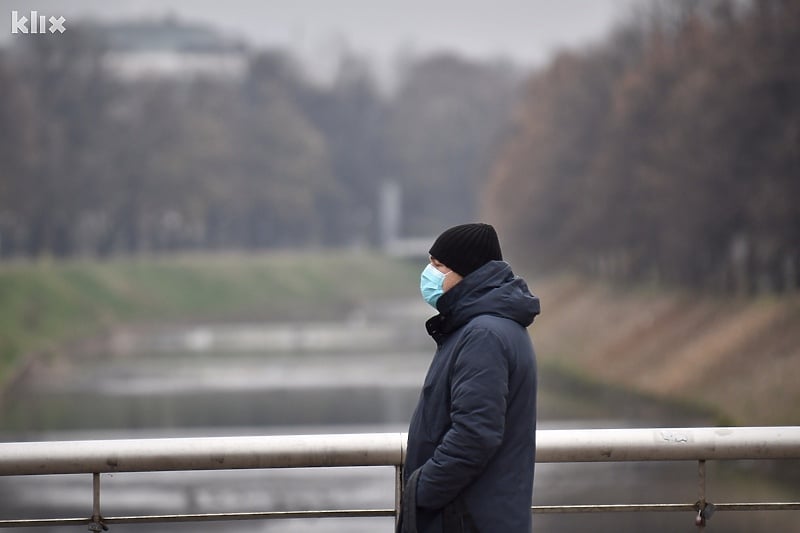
{"x": 451, "y": 279}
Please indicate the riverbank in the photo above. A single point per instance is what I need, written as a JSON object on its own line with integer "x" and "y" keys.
{"x": 46, "y": 306}
{"x": 736, "y": 357}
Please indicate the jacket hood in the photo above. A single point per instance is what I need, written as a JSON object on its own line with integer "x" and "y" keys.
{"x": 493, "y": 289}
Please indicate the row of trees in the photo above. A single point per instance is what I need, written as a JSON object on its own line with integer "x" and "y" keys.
{"x": 671, "y": 152}
{"x": 91, "y": 163}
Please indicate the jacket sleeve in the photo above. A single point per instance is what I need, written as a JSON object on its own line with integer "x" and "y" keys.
{"x": 479, "y": 394}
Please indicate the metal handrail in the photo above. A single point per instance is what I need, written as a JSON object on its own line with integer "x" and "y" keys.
{"x": 388, "y": 449}
{"x": 385, "y": 449}
{"x": 207, "y": 453}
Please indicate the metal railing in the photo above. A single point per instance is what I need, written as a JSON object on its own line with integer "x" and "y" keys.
{"x": 388, "y": 449}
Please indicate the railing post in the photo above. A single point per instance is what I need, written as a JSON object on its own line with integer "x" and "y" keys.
{"x": 700, "y": 520}
{"x": 398, "y": 493}
{"x": 703, "y": 507}
{"x": 96, "y": 523}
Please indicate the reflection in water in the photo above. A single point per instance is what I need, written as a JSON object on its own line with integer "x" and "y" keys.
{"x": 360, "y": 375}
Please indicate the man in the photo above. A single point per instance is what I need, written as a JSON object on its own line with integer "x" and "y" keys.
{"x": 471, "y": 443}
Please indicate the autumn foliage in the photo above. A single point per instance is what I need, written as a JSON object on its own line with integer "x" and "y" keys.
{"x": 670, "y": 152}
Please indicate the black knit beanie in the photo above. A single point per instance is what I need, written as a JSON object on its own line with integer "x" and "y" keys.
{"x": 467, "y": 247}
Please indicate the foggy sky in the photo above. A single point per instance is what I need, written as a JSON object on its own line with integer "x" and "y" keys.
{"x": 318, "y": 31}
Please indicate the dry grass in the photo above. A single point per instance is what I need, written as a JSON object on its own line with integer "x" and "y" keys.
{"x": 739, "y": 357}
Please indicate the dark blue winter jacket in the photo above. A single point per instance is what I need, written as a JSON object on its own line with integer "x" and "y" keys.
{"x": 472, "y": 438}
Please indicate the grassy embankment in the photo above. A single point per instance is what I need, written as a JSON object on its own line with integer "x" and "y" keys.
{"x": 46, "y": 306}
{"x": 738, "y": 357}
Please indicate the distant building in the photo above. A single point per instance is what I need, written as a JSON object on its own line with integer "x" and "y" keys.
{"x": 171, "y": 48}
{"x": 390, "y": 211}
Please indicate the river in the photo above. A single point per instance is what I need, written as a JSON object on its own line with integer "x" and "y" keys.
{"x": 359, "y": 374}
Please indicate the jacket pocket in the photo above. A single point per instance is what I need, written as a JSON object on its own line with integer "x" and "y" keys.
{"x": 456, "y": 518}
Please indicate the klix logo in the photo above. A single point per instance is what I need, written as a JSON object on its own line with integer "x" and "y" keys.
{"x": 36, "y": 23}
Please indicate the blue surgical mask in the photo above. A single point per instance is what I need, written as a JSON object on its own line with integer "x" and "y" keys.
{"x": 431, "y": 284}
